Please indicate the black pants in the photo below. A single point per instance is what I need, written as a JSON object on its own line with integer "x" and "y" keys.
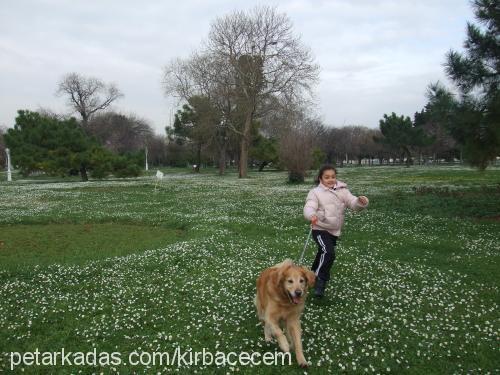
{"x": 326, "y": 253}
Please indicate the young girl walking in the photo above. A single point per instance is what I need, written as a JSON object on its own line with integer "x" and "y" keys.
{"x": 324, "y": 208}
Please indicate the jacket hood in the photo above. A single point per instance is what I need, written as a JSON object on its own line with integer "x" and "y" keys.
{"x": 339, "y": 185}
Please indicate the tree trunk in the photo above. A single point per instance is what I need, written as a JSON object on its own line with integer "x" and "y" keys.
{"x": 408, "y": 159}
{"x": 222, "y": 160}
{"x": 198, "y": 158}
{"x": 83, "y": 172}
{"x": 243, "y": 167}
{"x": 85, "y": 121}
{"x": 244, "y": 146}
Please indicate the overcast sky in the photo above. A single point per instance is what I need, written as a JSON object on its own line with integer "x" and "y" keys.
{"x": 376, "y": 56}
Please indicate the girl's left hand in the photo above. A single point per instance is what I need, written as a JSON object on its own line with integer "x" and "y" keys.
{"x": 363, "y": 200}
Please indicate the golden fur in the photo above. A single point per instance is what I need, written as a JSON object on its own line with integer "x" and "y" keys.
{"x": 281, "y": 293}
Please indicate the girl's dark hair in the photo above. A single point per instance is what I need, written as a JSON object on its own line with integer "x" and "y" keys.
{"x": 326, "y": 167}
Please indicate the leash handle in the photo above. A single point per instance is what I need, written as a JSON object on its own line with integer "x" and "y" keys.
{"x": 305, "y": 245}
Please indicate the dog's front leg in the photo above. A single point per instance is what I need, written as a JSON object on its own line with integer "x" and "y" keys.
{"x": 280, "y": 336}
{"x": 267, "y": 332}
{"x": 293, "y": 327}
{"x": 290, "y": 339}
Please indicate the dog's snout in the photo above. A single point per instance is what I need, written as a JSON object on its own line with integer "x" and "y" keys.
{"x": 298, "y": 292}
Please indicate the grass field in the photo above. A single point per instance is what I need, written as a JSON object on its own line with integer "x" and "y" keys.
{"x": 116, "y": 266}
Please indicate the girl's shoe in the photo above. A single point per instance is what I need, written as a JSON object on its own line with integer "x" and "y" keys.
{"x": 319, "y": 288}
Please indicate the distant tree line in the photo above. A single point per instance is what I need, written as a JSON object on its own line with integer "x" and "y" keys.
{"x": 245, "y": 99}
{"x": 215, "y": 122}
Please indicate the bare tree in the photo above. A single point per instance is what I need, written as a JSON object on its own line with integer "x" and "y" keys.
{"x": 297, "y": 143}
{"x": 343, "y": 144}
{"x": 47, "y": 112}
{"x": 157, "y": 150}
{"x": 202, "y": 76}
{"x": 265, "y": 58}
{"x": 87, "y": 95}
{"x": 120, "y": 133}
{"x": 371, "y": 149}
{"x": 178, "y": 80}
{"x": 251, "y": 65}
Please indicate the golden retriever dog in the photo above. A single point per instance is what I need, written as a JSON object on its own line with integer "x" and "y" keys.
{"x": 281, "y": 293}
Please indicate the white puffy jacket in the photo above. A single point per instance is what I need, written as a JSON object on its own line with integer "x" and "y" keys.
{"x": 329, "y": 206}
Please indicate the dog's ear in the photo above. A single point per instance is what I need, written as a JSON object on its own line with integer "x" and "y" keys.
{"x": 275, "y": 276}
{"x": 282, "y": 272}
{"x": 310, "y": 277}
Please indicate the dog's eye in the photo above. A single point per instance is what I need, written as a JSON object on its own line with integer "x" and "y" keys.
{"x": 302, "y": 280}
{"x": 290, "y": 281}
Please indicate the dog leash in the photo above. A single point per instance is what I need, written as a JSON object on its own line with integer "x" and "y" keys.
{"x": 305, "y": 246}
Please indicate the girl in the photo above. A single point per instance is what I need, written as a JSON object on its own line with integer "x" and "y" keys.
{"x": 324, "y": 208}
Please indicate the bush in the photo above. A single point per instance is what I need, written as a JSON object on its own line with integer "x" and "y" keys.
{"x": 126, "y": 166}
{"x": 101, "y": 163}
{"x": 104, "y": 163}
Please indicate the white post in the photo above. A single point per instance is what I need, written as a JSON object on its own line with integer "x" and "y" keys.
{"x": 147, "y": 159}
{"x": 9, "y": 173}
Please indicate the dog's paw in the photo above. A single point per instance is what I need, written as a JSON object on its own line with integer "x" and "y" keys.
{"x": 302, "y": 361}
{"x": 303, "y": 364}
{"x": 268, "y": 339}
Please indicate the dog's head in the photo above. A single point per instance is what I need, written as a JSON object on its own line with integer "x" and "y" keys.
{"x": 294, "y": 281}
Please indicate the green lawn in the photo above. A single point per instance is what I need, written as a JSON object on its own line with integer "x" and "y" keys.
{"x": 116, "y": 266}
{"x": 45, "y": 244}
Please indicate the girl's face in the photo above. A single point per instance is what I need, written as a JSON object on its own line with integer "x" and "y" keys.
{"x": 328, "y": 178}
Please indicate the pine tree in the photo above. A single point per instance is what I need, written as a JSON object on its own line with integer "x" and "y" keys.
{"x": 476, "y": 124}
{"x": 43, "y": 143}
